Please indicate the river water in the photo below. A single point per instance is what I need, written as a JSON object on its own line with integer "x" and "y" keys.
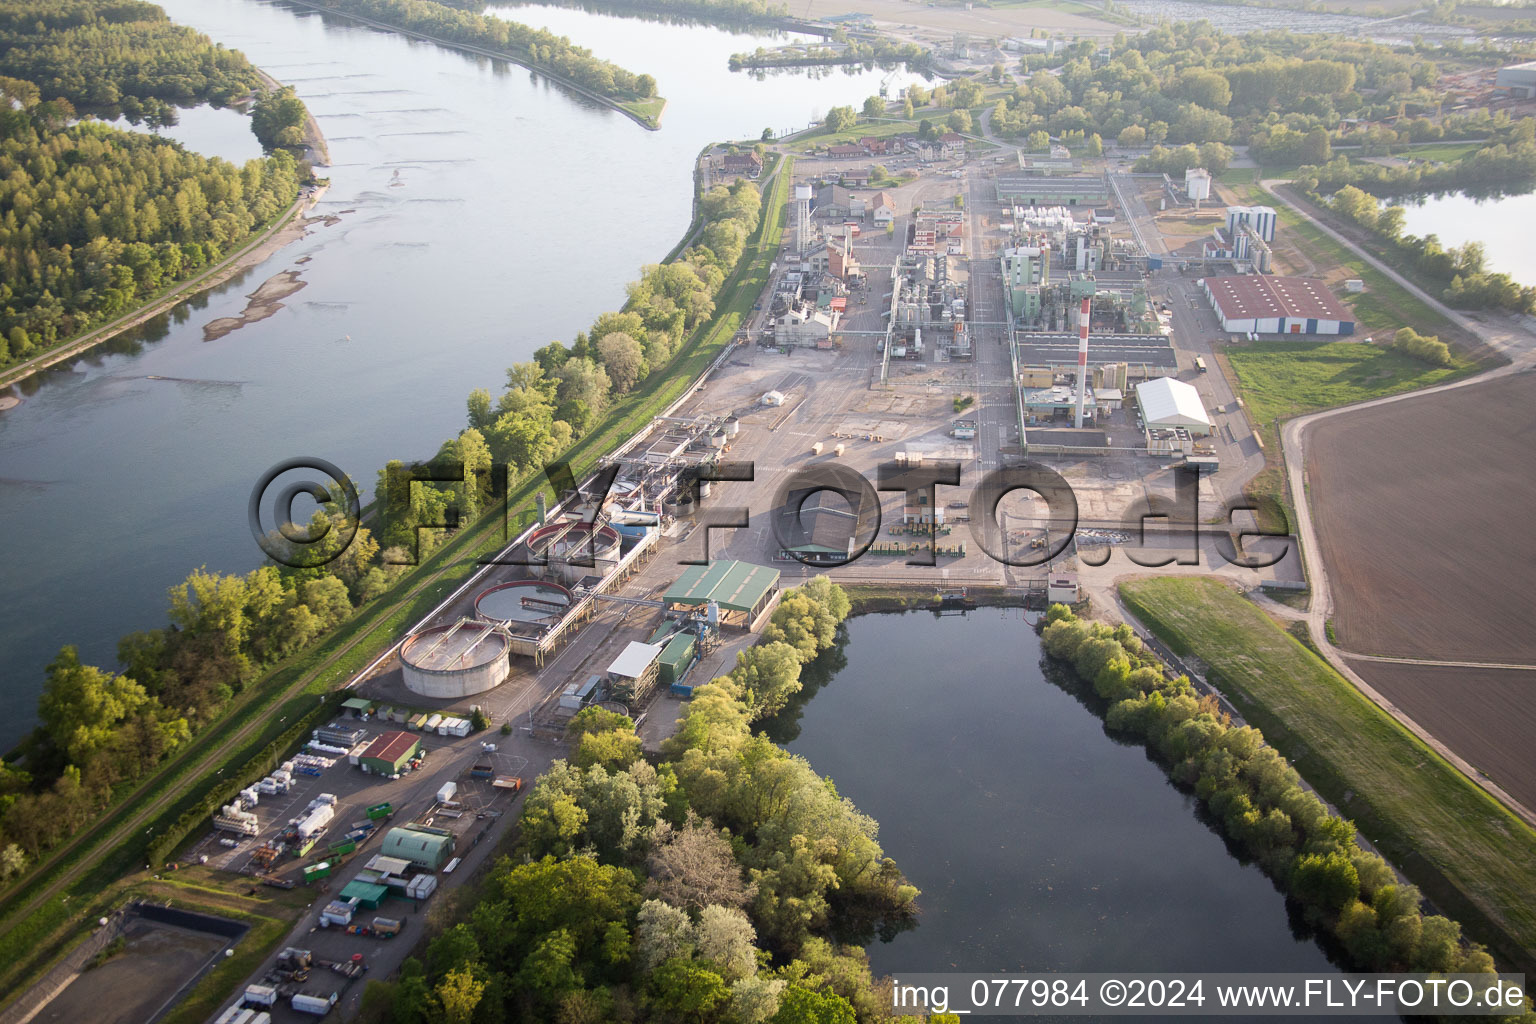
{"x": 1040, "y": 842}
{"x": 481, "y": 212}
{"x": 1502, "y": 225}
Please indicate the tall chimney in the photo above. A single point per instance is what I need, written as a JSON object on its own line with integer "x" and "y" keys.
{"x": 1082, "y": 360}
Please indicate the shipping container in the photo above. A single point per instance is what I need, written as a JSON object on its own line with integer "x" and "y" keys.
{"x": 431, "y": 724}
{"x": 261, "y": 995}
{"x": 316, "y": 1003}
{"x": 387, "y": 927}
{"x": 447, "y": 792}
{"x": 378, "y": 811}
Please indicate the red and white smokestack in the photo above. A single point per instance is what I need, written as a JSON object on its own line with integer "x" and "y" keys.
{"x": 1082, "y": 360}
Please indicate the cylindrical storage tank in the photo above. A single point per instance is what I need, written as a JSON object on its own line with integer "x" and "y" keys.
{"x": 679, "y": 505}
{"x": 732, "y": 426}
{"x": 455, "y": 661}
{"x": 559, "y": 543}
{"x": 523, "y": 601}
{"x": 717, "y": 439}
{"x": 705, "y": 488}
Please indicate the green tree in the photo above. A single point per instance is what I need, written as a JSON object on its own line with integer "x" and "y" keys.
{"x": 840, "y": 119}
{"x": 81, "y": 705}
{"x": 874, "y": 106}
{"x": 959, "y": 120}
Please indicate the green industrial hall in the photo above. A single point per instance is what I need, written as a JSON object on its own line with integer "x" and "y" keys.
{"x": 741, "y": 590}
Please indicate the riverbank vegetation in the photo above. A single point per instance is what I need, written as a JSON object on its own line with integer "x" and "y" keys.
{"x": 716, "y": 884}
{"x": 95, "y": 221}
{"x": 541, "y": 49}
{"x": 864, "y": 49}
{"x": 1475, "y": 857}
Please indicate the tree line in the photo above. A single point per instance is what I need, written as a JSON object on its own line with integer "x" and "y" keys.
{"x": 1188, "y": 83}
{"x": 94, "y": 221}
{"x": 870, "y": 50}
{"x": 715, "y": 12}
{"x": 1460, "y": 271}
{"x": 715, "y": 884}
{"x": 119, "y": 57}
{"x": 1314, "y": 855}
{"x": 100, "y": 730}
{"x": 540, "y": 48}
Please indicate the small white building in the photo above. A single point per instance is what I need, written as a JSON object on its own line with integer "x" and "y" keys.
{"x": 1061, "y": 588}
{"x": 1169, "y": 404}
{"x": 772, "y": 398}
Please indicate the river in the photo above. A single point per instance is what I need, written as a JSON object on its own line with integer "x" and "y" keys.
{"x": 1502, "y": 225}
{"x": 1040, "y": 842}
{"x": 482, "y": 211}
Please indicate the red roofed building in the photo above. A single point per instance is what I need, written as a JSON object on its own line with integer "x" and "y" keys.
{"x": 1263, "y": 304}
{"x": 846, "y": 150}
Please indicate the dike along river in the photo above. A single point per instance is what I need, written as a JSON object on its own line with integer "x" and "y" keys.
{"x": 1039, "y": 841}
{"x": 479, "y": 213}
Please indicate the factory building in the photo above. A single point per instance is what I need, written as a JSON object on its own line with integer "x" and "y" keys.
{"x": 1170, "y": 404}
{"x": 389, "y": 753}
{"x": 1032, "y": 190}
{"x": 1027, "y": 271}
{"x": 740, "y": 590}
{"x": 632, "y": 674}
{"x": 1260, "y": 218}
{"x": 1261, "y": 304}
{"x": 428, "y": 848}
{"x": 1518, "y": 79}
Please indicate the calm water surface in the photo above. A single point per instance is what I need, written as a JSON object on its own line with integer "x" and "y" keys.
{"x": 481, "y": 213}
{"x": 1039, "y": 841}
{"x": 1502, "y": 225}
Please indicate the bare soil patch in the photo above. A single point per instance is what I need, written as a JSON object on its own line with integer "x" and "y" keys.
{"x": 1486, "y": 715}
{"x": 1423, "y": 509}
{"x": 131, "y": 986}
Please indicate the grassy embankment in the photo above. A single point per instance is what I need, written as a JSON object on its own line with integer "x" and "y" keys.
{"x": 1282, "y": 379}
{"x": 29, "y": 944}
{"x": 1472, "y": 856}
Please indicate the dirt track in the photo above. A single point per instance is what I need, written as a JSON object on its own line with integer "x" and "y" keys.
{"x": 1423, "y": 514}
{"x": 1485, "y": 714}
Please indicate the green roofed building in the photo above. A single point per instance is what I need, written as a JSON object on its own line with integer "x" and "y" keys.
{"x": 368, "y": 894}
{"x": 741, "y": 590}
{"x": 425, "y": 848}
{"x": 676, "y": 657}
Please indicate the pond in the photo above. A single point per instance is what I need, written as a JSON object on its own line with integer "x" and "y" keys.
{"x": 1040, "y": 842}
{"x": 1501, "y": 224}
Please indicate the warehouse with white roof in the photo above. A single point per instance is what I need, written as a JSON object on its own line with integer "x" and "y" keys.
{"x": 1169, "y": 404}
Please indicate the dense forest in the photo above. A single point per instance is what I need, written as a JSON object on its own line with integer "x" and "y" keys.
{"x": 112, "y": 57}
{"x": 724, "y": 883}
{"x": 1188, "y": 83}
{"x": 1261, "y": 806}
{"x": 539, "y": 48}
{"x": 93, "y": 221}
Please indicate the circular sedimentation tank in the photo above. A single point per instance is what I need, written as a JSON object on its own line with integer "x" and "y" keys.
{"x": 523, "y": 601}
{"x": 559, "y": 543}
{"x": 455, "y": 661}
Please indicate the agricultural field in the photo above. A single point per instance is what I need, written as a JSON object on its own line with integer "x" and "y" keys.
{"x": 1469, "y": 853}
{"x": 1423, "y": 542}
{"x": 1484, "y": 715}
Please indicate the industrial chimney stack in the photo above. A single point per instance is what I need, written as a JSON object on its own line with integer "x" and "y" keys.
{"x": 1082, "y": 360}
